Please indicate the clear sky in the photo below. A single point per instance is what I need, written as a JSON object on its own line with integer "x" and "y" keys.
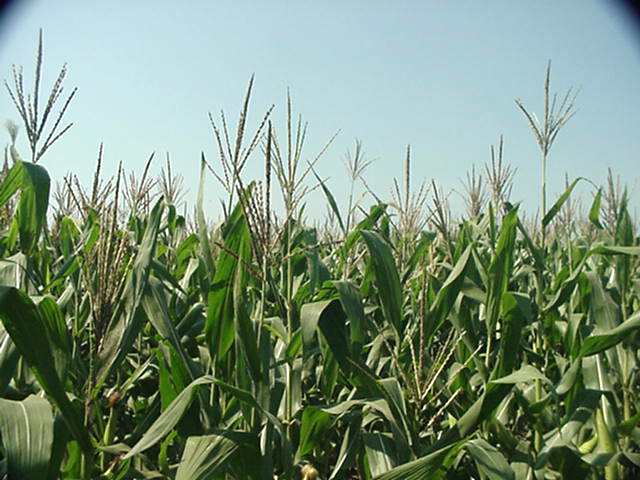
{"x": 441, "y": 76}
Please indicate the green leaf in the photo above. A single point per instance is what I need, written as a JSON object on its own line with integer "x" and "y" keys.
{"x": 8, "y": 359}
{"x": 207, "y": 457}
{"x": 34, "y": 183}
{"x": 60, "y": 338}
{"x": 246, "y": 334}
{"x": 491, "y": 463}
{"x": 11, "y": 183}
{"x": 387, "y": 279}
{"x": 567, "y": 434}
{"x": 248, "y": 399}
{"x": 352, "y": 305}
{"x": 432, "y": 466}
{"x": 332, "y": 202}
{"x": 220, "y": 324}
{"x": 61, "y": 437}
{"x": 154, "y": 303}
{"x": 13, "y": 270}
{"x": 169, "y": 418}
{"x": 605, "y": 340}
{"x": 396, "y": 415}
{"x": 313, "y": 429}
{"x": 375, "y": 213}
{"x": 626, "y": 427}
{"x": 526, "y": 374}
{"x": 28, "y": 331}
{"x": 203, "y": 233}
{"x": 26, "y": 428}
{"x": 594, "y": 211}
{"x": 447, "y": 295}
{"x": 515, "y": 311}
{"x": 381, "y": 452}
{"x": 500, "y": 268}
{"x": 553, "y": 211}
{"x": 329, "y": 316}
{"x": 309, "y": 317}
{"x": 349, "y": 446}
{"x": 419, "y": 252}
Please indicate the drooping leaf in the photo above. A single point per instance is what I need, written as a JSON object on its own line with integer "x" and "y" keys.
{"x": 246, "y": 332}
{"x": 329, "y": 317}
{"x": 375, "y": 213}
{"x": 60, "y": 338}
{"x": 567, "y": 433}
{"x": 349, "y": 447}
{"x": 605, "y": 340}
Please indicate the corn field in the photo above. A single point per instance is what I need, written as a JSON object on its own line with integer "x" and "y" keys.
{"x": 394, "y": 341}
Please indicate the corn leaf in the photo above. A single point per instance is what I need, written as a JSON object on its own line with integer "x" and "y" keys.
{"x": 8, "y": 359}
{"x": 27, "y": 329}
{"x": 220, "y": 324}
{"x": 594, "y": 211}
{"x": 203, "y": 233}
{"x": 349, "y": 447}
{"x": 314, "y": 426}
{"x": 381, "y": 452}
{"x": 329, "y": 316}
{"x": 207, "y": 456}
{"x": 154, "y": 303}
{"x": 60, "y": 339}
{"x": 431, "y": 466}
{"x": 387, "y": 279}
{"x": 447, "y": 295}
{"x": 34, "y": 183}
{"x": 352, "y": 306}
{"x": 553, "y": 211}
{"x": 501, "y": 268}
{"x": 169, "y": 418}
{"x": 526, "y": 374}
{"x": 332, "y": 202}
{"x": 605, "y": 340}
{"x": 26, "y": 428}
{"x": 491, "y": 463}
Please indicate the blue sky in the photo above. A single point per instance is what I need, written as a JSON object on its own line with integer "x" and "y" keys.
{"x": 441, "y": 76}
